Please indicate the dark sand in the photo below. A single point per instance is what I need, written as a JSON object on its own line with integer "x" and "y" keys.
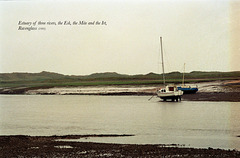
{"x": 213, "y": 96}
{"x": 43, "y": 146}
{"x": 208, "y": 91}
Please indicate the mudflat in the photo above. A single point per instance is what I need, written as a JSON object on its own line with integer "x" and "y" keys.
{"x": 51, "y": 146}
{"x": 213, "y": 96}
{"x": 208, "y": 91}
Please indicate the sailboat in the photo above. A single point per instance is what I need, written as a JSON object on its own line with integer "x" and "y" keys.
{"x": 186, "y": 88}
{"x": 170, "y": 91}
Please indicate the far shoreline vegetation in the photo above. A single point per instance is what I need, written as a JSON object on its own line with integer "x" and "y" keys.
{"x": 46, "y": 79}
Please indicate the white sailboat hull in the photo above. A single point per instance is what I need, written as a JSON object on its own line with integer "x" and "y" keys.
{"x": 170, "y": 92}
{"x": 169, "y": 95}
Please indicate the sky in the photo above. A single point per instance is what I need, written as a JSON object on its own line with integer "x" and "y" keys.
{"x": 203, "y": 34}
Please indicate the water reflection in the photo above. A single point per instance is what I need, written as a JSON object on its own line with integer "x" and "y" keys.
{"x": 234, "y": 125}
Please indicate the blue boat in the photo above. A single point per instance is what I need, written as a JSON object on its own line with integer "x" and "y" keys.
{"x": 186, "y": 88}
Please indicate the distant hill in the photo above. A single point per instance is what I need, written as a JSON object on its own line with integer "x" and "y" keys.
{"x": 17, "y": 76}
{"x": 105, "y": 75}
{"x": 212, "y": 74}
{"x": 18, "y": 83}
{"x": 44, "y": 75}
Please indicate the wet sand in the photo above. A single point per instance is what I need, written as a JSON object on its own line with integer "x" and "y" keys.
{"x": 213, "y": 96}
{"x": 208, "y": 91}
{"x": 216, "y": 91}
{"x": 47, "y": 146}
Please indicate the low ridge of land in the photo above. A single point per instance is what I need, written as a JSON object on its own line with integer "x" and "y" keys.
{"x": 25, "y": 81}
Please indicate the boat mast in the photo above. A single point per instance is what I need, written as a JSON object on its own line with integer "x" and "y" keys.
{"x": 183, "y": 74}
{"x": 162, "y": 61}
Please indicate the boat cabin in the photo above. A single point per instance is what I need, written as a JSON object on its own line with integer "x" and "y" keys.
{"x": 169, "y": 88}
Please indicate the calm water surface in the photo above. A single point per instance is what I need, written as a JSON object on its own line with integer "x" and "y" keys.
{"x": 195, "y": 124}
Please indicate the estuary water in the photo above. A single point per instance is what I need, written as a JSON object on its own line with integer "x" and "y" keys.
{"x": 193, "y": 124}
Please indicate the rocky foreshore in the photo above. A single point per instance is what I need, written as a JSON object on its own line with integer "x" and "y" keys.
{"x": 47, "y": 146}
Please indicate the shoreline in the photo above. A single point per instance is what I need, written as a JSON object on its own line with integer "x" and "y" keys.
{"x": 213, "y": 96}
{"x": 199, "y": 96}
{"x": 228, "y": 91}
{"x": 47, "y": 146}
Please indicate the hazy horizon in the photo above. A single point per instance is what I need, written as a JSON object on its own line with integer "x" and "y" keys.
{"x": 113, "y": 72}
{"x": 203, "y": 34}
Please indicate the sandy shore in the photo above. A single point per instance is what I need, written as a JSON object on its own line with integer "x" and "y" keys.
{"x": 47, "y": 146}
{"x": 213, "y": 96}
{"x": 208, "y": 91}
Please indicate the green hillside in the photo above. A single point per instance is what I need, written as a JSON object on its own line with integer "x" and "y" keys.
{"x": 16, "y": 76}
{"x": 50, "y": 79}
